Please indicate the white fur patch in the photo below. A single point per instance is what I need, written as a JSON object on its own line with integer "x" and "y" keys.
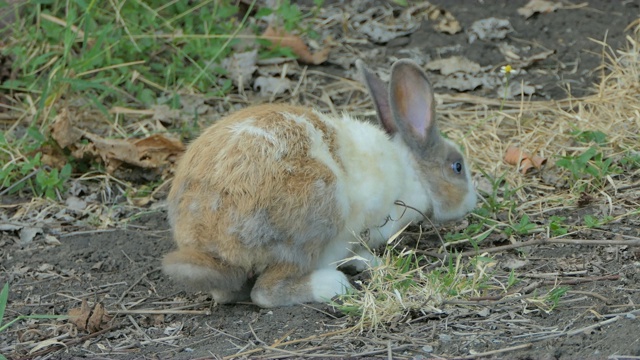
{"x": 363, "y": 259}
{"x": 194, "y": 206}
{"x": 215, "y": 203}
{"x": 247, "y": 127}
{"x": 327, "y": 283}
{"x": 189, "y": 272}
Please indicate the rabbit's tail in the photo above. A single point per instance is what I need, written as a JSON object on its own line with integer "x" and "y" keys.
{"x": 203, "y": 272}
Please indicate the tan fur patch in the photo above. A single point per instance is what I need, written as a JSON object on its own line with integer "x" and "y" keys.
{"x": 236, "y": 165}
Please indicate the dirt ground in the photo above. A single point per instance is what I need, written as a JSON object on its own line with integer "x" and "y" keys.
{"x": 156, "y": 319}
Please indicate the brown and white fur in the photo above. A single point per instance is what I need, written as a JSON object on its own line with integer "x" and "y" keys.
{"x": 267, "y": 201}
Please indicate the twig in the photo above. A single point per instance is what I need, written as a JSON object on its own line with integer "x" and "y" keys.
{"x": 87, "y": 232}
{"x": 163, "y": 311}
{"x": 124, "y": 293}
{"x": 601, "y": 323}
{"x": 581, "y": 280}
{"x": 493, "y": 352}
{"x": 56, "y": 347}
{"x": 375, "y": 352}
{"x": 499, "y": 299}
{"x": 589, "y": 293}
{"x": 253, "y": 351}
{"x": 31, "y": 174}
{"x": 532, "y": 243}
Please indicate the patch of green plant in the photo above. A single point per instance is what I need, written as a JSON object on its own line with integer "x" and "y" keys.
{"x": 591, "y": 221}
{"x": 475, "y": 232}
{"x": 501, "y": 197}
{"x": 524, "y": 226}
{"x": 557, "y": 226}
{"x": 4, "y": 299}
{"x": 630, "y": 161}
{"x": 498, "y": 202}
{"x": 28, "y": 171}
{"x": 589, "y": 136}
{"x": 129, "y": 53}
{"x": 555, "y": 295}
{"x": 512, "y": 279}
{"x": 589, "y": 168}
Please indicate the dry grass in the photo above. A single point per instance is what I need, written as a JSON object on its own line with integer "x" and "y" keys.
{"x": 404, "y": 288}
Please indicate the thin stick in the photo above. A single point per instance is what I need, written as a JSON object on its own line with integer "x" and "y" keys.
{"x": 601, "y": 323}
{"x": 536, "y": 242}
{"x": 124, "y": 293}
{"x": 493, "y": 352}
{"x": 163, "y": 311}
{"x": 253, "y": 351}
{"x": 55, "y": 347}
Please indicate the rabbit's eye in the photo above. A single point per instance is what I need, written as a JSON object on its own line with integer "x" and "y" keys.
{"x": 456, "y": 167}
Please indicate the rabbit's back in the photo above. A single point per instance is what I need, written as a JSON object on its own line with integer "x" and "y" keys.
{"x": 259, "y": 187}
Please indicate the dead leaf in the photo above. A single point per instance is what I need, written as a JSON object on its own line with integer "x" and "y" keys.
{"x": 270, "y": 86}
{"x": 63, "y": 132}
{"x": 165, "y": 114}
{"x": 489, "y": 29}
{"x": 445, "y": 21}
{"x": 538, "y": 6}
{"x": 89, "y": 320}
{"x": 521, "y": 62}
{"x": 454, "y": 64}
{"x": 45, "y": 343}
{"x": 516, "y": 89}
{"x": 151, "y": 152}
{"x": 75, "y": 203}
{"x": 240, "y": 67}
{"x": 466, "y": 82}
{"x": 514, "y": 264}
{"x": 524, "y": 161}
{"x": 279, "y": 37}
{"x": 51, "y": 240}
{"x": 27, "y": 234}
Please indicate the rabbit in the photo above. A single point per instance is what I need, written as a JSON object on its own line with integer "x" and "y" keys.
{"x": 268, "y": 201}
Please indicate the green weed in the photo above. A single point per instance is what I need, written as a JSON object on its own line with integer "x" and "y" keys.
{"x": 589, "y": 169}
{"x": 597, "y": 137}
{"x": 125, "y": 53}
{"x": 556, "y": 226}
{"x": 29, "y": 172}
{"x": 4, "y": 298}
{"x": 591, "y": 221}
{"x": 555, "y": 295}
{"x": 630, "y": 161}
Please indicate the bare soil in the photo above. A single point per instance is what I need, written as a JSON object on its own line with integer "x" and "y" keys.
{"x": 156, "y": 319}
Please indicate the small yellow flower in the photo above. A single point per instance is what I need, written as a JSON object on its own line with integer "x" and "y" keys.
{"x": 506, "y": 69}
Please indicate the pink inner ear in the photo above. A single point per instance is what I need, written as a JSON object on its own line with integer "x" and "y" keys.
{"x": 413, "y": 98}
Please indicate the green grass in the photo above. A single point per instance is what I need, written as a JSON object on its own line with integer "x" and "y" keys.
{"x": 94, "y": 55}
{"x": 4, "y": 298}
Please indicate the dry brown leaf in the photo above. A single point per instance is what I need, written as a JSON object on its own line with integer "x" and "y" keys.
{"x": 445, "y": 21}
{"x": 524, "y": 161}
{"x": 279, "y": 37}
{"x": 152, "y": 152}
{"x": 63, "y": 132}
{"x": 88, "y": 319}
{"x": 538, "y": 6}
{"x": 454, "y": 64}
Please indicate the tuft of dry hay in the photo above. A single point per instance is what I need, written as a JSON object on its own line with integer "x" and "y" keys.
{"x": 546, "y": 128}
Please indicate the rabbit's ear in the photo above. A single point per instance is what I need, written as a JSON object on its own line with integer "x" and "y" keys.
{"x": 380, "y": 95}
{"x": 411, "y": 100}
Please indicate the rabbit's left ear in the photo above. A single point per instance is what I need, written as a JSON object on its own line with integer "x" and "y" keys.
{"x": 411, "y": 100}
{"x": 380, "y": 96}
